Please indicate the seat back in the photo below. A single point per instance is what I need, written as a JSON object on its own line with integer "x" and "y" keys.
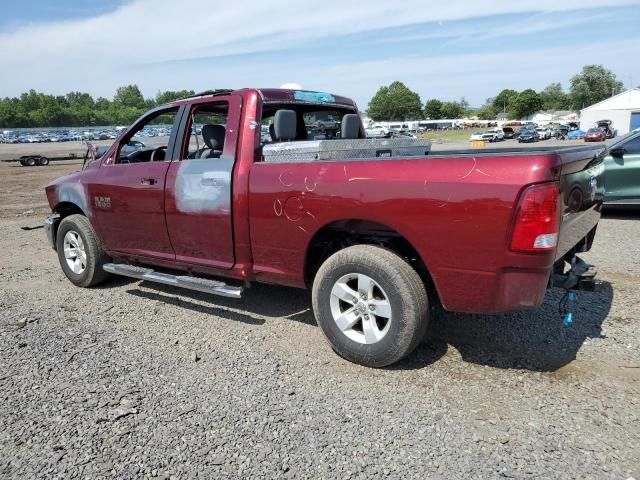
{"x": 350, "y": 126}
{"x": 285, "y": 125}
{"x": 213, "y": 136}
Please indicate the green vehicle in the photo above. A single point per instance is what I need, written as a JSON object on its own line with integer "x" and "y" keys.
{"x": 622, "y": 171}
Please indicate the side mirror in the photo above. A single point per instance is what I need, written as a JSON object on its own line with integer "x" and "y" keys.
{"x": 617, "y": 152}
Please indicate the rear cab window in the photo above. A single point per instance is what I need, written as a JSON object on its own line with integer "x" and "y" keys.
{"x": 314, "y": 122}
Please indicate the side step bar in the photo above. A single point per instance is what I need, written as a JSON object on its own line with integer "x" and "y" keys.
{"x": 192, "y": 283}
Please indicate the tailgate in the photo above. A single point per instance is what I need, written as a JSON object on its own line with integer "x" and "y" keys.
{"x": 582, "y": 192}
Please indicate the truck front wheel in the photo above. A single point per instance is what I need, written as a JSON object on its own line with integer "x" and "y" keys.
{"x": 80, "y": 252}
{"x": 371, "y": 305}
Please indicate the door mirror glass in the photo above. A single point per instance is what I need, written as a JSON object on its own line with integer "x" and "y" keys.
{"x": 617, "y": 152}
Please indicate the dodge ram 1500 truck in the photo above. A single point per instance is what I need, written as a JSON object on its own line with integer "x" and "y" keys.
{"x": 282, "y": 187}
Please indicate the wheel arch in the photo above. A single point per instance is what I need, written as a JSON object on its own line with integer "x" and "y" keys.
{"x": 340, "y": 234}
{"x": 66, "y": 208}
{"x": 62, "y": 210}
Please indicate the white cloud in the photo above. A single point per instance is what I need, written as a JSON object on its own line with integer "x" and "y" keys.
{"x": 479, "y": 76}
{"x": 100, "y": 53}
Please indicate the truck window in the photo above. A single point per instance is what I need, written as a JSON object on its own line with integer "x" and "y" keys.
{"x": 207, "y": 131}
{"x": 148, "y": 139}
{"x": 319, "y": 122}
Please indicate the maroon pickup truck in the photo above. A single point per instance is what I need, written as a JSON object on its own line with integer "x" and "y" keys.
{"x": 281, "y": 186}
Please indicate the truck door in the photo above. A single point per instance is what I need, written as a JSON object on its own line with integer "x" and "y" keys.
{"x": 128, "y": 195}
{"x": 198, "y": 186}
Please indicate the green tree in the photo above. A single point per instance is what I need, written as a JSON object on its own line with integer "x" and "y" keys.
{"x": 34, "y": 109}
{"x": 525, "y": 103}
{"x": 103, "y": 103}
{"x": 554, "y": 97}
{"x": 129, "y": 96}
{"x": 170, "y": 96}
{"x": 464, "y": 104}
{"x": 502, "y": 101}
{"x": 395, "y": 102}
{"x": 451, "y": 110}
{"x": 80, "y": 99}
{"x": 592, "y": 85}
{"x": 433, "y": 109}
{"x": 486, "y": 112}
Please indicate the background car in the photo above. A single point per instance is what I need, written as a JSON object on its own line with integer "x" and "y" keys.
{"x": 498, "y": 134}
{"x": 622, "y": 171}
{"x": 595, "y": 135}
{"x": 544, "y": 133}
{"x": 561, "y": 131}
{"x": 576, "y": 134}
{"x": 488, "y": 136}
{"x": 375, "y": 131}
{"x": 528, "y": 135}
{"x": 509, "y": 132}
{"x": 607, "y": 128}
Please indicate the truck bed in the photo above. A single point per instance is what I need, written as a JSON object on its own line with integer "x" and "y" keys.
{"x": 455, "y": 208}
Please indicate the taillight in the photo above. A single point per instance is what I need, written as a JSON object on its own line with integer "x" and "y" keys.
{"x": 537, "y": 220}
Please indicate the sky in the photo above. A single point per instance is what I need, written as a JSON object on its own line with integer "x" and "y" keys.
{"x": 443, "y": 50}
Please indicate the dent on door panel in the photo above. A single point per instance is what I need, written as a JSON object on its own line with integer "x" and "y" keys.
{"x": 204, "y": 186}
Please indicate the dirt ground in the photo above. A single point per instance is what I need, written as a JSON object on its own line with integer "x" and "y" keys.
{"x": 133, "y": 380}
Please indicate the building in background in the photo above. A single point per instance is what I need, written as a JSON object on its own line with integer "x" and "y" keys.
{"x": 623, "y": 110}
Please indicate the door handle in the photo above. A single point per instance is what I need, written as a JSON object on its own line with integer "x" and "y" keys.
{"x": 148, "y": 181}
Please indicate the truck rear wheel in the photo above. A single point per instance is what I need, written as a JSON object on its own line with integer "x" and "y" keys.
{"x": 30, "y": 162}
{"x": 371, "y": 305}
{"x": 79, "y": 251}
{"x": 43, "y": 161}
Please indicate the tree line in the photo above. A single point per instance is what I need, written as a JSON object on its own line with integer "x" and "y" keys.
{"x": 394, "y": 102}
{"x": 79, "y": 109}
{"x": 593, "y": 84}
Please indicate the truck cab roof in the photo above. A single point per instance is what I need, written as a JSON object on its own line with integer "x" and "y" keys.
{"x": 278, "y": 95}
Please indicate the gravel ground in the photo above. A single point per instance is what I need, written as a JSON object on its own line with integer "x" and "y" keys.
{"x": 134, "y": 380}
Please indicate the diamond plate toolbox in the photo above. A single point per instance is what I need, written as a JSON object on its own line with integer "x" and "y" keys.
{"x": 345, "y": 149}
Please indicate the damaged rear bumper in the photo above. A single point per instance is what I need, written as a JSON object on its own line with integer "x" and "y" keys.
{"x": 581, "y": 276}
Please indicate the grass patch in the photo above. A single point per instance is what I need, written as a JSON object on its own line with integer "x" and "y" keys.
{"x": 451, "y": 135}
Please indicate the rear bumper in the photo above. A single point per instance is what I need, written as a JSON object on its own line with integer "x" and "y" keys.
{"x": 510, "y": 288}
{"x": 492, "y": 292}
{"x": 51, "y": 229}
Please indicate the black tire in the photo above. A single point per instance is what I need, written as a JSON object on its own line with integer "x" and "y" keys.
{"x": 93, "y": 273}
{"x": 30, "y": 162}
{"x": 43, "y": 161}
{"x": 22, "y": 162}
{"x": 406, "y": 294}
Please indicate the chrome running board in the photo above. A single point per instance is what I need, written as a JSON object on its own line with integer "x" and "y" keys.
{"x": 191, "y": 283}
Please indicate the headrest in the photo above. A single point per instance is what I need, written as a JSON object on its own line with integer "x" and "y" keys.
{"x": 284, "y": 125}
{"x": 350, "y": 126}
{"x": 213, "y": 136}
